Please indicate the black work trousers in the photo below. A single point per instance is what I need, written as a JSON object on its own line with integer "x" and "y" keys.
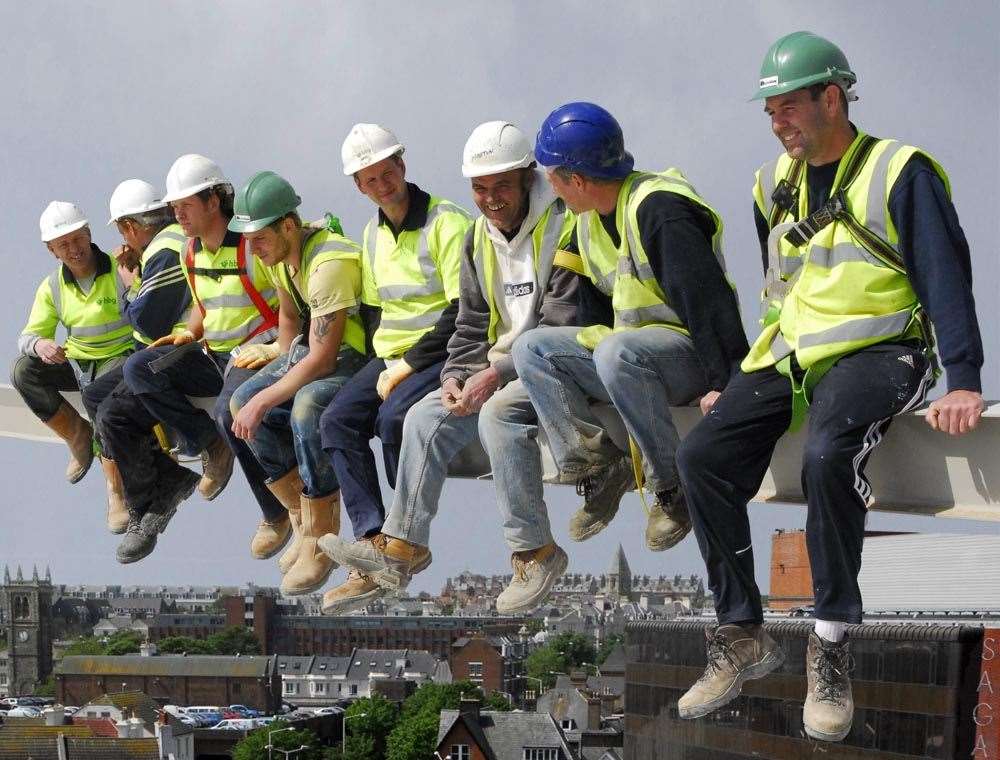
{"x": 723, "y": 460}
{"x": 126, "y": 429}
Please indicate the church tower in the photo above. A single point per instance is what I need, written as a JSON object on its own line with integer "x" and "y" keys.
{"x": 28, "y": 622}
{"x": 618, "y": 581}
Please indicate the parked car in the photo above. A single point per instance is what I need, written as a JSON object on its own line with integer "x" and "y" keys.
{"x": 328, "y": 711}
{"x": 235, "y": 724}
{"x": 206, "y": 715}
{"x": 247, "y": 712}
{"x": 26, "y": 711}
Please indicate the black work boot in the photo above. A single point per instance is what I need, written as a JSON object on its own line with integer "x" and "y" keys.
{"x": 137, "y": 542}
{"x": 171, "y": 490}
{"x": 668, "y": 520}
{"x": 829, "y": 705}
{"x": 602, "y": 492}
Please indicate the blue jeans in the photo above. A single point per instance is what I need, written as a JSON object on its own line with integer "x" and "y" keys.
{"x": 164, "y": 395}
{"x": 432, "y": 437}
{"x": 288, "y": 435}
{"x": 357, "y": 415}
{"x": 643, "y": 372}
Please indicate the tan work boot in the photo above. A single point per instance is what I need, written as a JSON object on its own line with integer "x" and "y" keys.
{"x": 390, "y": 561}
{"x": 829, "y": 706}
{"x": 534, "y": 573}
{"x": 736, "y": 653}
{"x": 602, "y": 492}
{"x": 79, "y": 436}
{"x": 271, "y": 536}
{"x": 668, "y": 520}
{"x": 217, "y": 468}
{"x": 312, "y": 567}
{"x": 359, "y": 590}
{"x": 288, "y": 557}
{"x": 117, "y": 510}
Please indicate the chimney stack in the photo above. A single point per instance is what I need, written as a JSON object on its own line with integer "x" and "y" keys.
{"x": 469, "y": 707}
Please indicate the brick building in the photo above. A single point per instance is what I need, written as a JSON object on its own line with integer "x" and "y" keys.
{"x": 791, "y": 577}
{"x": 172, "y": 679}
{"x": 339, "y": 636}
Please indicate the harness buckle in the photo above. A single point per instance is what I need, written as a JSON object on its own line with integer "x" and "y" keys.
{"x": 785, "y": 195}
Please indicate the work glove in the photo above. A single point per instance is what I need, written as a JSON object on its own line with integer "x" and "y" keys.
{"x": 257, "y": 355}
{"x": 391, "y": 377}
{"x": 174, "y": 339}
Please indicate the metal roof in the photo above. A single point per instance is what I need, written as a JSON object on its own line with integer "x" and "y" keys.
{"x": 930, "y": 572}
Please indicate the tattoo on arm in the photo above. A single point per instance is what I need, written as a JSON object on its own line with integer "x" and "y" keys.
{"x": 321, "y": 326}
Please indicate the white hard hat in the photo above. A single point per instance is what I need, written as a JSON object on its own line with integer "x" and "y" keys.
{"x": 134, "y": 196}
{"x": 367, "y": 144}
{"x": 191, "y": 174}
{"x": 494, "y": 147}
{"x": 60, "y": 218}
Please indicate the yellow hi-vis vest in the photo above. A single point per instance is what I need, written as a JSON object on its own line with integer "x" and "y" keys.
{"x": 170, "y": 238}
{"x": 231, "y": 316}
{"x": 841, "y": 298}
{"x": 95, "y": 322}
{"x": 319, "y": 246}
{"x": 623, "y": 271}
{"x": 414, "y": 276}
{"x": 552, "y": 231}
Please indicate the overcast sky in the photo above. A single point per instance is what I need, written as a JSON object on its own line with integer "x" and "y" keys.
{"x": 97, "y": 92}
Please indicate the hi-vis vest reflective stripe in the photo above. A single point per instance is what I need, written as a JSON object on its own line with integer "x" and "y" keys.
{"x": 842, "y": 297}
{"x": 95, "y": 323}
{"x": 231, "y": 314}
{"x": 318, "y": 246}
{"x": 553, "y": 231}
{"x": 170, "y": 238}
{"x": 623, "y": 271}
{"x": 406, "y": 272}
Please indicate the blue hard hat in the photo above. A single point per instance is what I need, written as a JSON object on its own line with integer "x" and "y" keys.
{"x": 585, "y": 138}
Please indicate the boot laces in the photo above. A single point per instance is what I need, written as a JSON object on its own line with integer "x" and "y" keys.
{"x": 585, "y": 487}
{"x": 832, "y": 665}
{"x": 520, "y": 569}
{"x": 720, "y": 652}
{"x": 379, "y": 542}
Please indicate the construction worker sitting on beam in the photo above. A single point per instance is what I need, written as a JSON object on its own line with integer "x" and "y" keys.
{"x": 277, "y": 411}
{"x": 512, "y": 279}
{"x": 861, "y": 244}
{"x": 156, "y": 303}
{"x": 652, "y": 247}
{"x": 412, "y": 252}
{"x": 86, "y": 295}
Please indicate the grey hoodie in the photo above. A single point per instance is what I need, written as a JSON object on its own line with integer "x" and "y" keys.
{"x": 554, "y": 305}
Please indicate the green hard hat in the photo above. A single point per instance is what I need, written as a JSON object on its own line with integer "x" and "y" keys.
{"x": 262, "y": 200}
{"x": 801, "y": 59}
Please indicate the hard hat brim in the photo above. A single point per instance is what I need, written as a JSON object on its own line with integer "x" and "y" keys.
{"x": 69, "y": 228}
{"x": 355, "y": 166}
{"x": 134, "y": 211}
{"x": 189, "y": 191}
{"x": 844, "y": 80}
{"x": 471, "y": 171}
{"x": 252, "y": 225}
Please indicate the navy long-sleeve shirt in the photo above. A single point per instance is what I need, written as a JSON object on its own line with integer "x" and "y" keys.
{"x": 936, "y": 254}
{"x": 164, "y": 298}
{"x": 676, "y": 235}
